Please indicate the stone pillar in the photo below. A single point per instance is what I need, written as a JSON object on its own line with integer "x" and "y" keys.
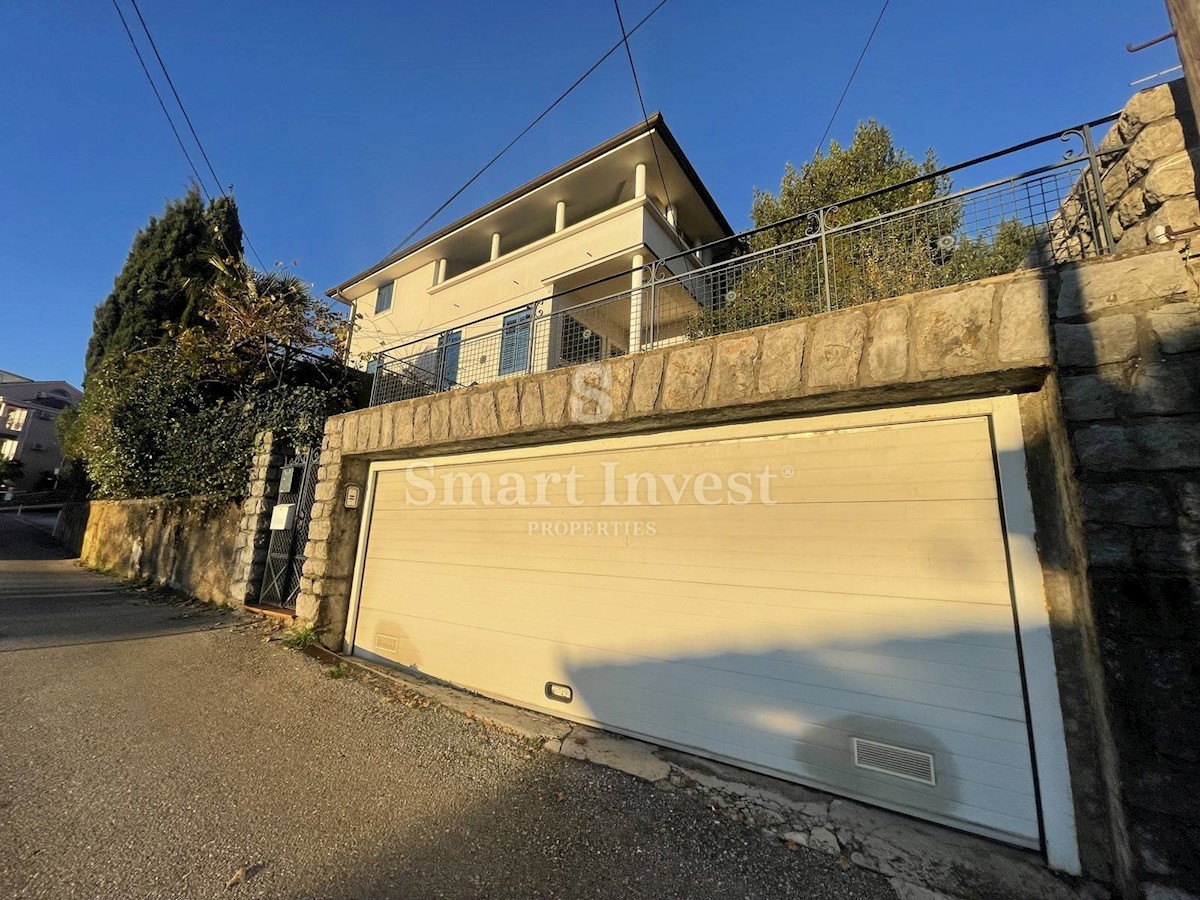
{"x": 496, "y": 245}
{"x": 254, "y": 532}
{"x": 635, "y": 303}
{"x": 560, "y": 216}
{"x": 439, "y": 274}
{"x": 333, "y": 529}
{"x": 639, "y": 180}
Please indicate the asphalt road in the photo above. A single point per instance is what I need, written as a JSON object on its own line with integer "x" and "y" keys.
{"x": 151, "y": 749}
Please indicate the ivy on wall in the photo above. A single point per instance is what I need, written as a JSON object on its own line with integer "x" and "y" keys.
{"x": 148, "y": 428}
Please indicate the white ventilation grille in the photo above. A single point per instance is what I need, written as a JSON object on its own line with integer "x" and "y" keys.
{"x": 915, "y": 765}
{"x": 386, "y": 642}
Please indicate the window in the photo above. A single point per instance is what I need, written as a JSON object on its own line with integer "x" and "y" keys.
{"x": 383, "y": 298}
{"x": 16, "y": 419}
{"x": 449, "y": 347}
{"x": 8, "y": 449}
{"x": 514, "y": 343}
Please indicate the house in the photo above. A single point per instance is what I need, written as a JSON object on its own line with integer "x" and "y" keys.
{"x": 528, "y": 282}
{"x": 29, "y": 411}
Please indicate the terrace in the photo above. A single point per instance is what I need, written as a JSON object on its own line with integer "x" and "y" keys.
{"x": 918, "y": 235}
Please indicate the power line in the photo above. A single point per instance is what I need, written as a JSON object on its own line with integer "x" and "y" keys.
{"x": 162, "y": 105}
{"x": 850, "y": 80}
{"x": 528, "y": 128}
{"x": 182, "y": 108}
{"x": 188, "y": 119}
{"x": 638, "y": 87}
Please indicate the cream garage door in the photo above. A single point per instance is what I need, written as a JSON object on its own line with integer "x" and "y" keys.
{"x": 827, "y": 600}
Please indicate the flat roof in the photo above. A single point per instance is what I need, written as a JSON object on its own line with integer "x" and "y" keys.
{"x": 655, "y": 124}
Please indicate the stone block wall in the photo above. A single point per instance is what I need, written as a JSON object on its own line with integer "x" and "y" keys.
{"x": 1127, "y": 335}
{"x": 185, "y": 544}
{"x": 1153, "y": 184}
{"x": 209, "y": 548}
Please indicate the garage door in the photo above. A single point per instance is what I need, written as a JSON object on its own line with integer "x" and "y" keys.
{"x": 827, "y": 600}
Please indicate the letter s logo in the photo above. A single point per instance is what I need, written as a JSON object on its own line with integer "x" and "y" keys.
{"x": 591, "y": 394}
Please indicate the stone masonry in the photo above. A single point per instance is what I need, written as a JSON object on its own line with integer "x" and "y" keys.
{"x": 1128, "y": 348}
{"x": 1153, "y": 185}
{"x": 253, "y": 536}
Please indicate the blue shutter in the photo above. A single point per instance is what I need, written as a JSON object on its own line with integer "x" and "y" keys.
{"x": 514, "y": 344}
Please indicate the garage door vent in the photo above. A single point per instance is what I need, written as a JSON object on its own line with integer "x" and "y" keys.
{"x": 386, "y": 642}
{"x": 915, "y": 765}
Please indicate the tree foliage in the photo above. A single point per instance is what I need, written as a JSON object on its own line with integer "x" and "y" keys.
{"x": 872, "y": 162}
{"x": 148, "y": 427}
{"x": 161, "y": 285}
{"x": 11, "y": 471}
{"x": 898, "y": 238}
{"x": 173, "y": 409}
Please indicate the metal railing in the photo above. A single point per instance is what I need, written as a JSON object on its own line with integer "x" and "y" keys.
{"x": 918, "y": 235}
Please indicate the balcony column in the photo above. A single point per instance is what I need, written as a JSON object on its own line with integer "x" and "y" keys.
{"x": 439, "y": 274}
{"x": 635, "y": 304}
{"x": 560, "y": 216}
{"x": 496, "y": 245}
{"x": 639, "y": 180}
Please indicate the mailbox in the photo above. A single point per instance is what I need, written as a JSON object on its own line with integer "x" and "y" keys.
{"x": 283, "y": 516}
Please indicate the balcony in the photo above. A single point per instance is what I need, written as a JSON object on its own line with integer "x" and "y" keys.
{"x": 831, "y": 258}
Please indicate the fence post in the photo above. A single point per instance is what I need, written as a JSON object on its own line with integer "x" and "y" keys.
{"x": 821, "y": 220}
{"x": 1098, "y": 185}
{"x": 533, "y": 308}
{"x": 637, "y": 279}
{"x": 442, "y": 346}
{"x": 654, "y": 269}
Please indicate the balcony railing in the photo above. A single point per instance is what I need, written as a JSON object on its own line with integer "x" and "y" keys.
{"x": 914, "y": 236}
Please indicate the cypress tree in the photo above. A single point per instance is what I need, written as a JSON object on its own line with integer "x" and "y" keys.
{"x": 161, "y": 283}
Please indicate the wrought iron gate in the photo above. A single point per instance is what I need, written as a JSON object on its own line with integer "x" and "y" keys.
{"x": 285, "y": 553}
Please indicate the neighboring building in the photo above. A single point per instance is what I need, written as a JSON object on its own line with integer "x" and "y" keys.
{"x": 29, "y": 412}
{"x": 577, "y": 234}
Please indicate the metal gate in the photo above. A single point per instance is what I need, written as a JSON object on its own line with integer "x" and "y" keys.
{"x": 289, "y": 530}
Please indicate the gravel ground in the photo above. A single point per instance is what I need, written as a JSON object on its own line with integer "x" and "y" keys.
{"x": 152, "y": 749}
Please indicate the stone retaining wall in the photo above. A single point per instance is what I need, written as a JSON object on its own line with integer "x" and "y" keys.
{"x": 1128, "y": 348}
{"x": 1153, "y": 185}
{"x": 185, "y": 544}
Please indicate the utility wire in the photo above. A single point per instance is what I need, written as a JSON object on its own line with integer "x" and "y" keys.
{"x": 188, "y": 119}
{"x": 528, "y": 128}
{"x": 850, "y": 80}
{"x": 638, "y": 87}
{"x": 182, "y": 108}
{"x": 162, "y": 105}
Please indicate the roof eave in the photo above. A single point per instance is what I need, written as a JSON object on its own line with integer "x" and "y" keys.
{"x": 654, "y": 123}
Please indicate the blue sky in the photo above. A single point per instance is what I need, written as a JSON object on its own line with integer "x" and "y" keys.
{"x": 343, "y": 125}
